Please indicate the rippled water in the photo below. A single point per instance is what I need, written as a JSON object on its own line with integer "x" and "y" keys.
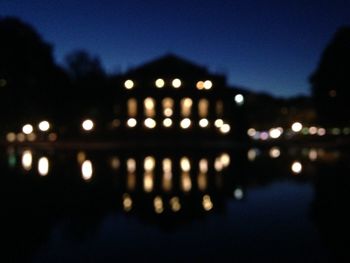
{"x": 238, "y": 205}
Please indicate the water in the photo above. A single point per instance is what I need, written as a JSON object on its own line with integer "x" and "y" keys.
{"x": 238, "y": 205}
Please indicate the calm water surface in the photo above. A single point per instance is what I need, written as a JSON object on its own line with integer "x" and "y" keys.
{"x": 245, "y": 205}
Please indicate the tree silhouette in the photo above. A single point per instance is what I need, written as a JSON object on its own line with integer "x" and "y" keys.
{"x": 331, "y": 81}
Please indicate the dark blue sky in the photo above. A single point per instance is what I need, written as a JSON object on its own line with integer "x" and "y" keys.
{"x": 270, "y": 46}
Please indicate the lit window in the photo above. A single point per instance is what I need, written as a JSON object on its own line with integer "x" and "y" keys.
{"x": 225, "y": 128}
{"x": 167, "y": 122}
{"x": 200, "y": 85}
{"x": 296, "y": 167}
{"x": 297, "y": 127}
{"x": 149, "y": 163}
{"x": 218, "y": 123}
{"x": 128, "y": 84}
{"x": 168, "y": 104}
{"x": 219, "y": 108}
{"x": 185, "y": 123}
{"x": 208, "y": 84}
{"x": 150, "y": 123}
{"x": 185, "y": 164}
{"x": 186, "y": 104}
{"x": 160, "y": 83}
{"x": 203, "y": 123}
{"x": 43, "y": 166}
{"x": 149, "y": 104}
{"x": 131, "y": 122}
{"x": 87, "y": 170}
{"x": 27, "y": 129}
{"x": 132, "y": 107}
{"x": 203, "y": 106}
{"x": 176, "y": 83}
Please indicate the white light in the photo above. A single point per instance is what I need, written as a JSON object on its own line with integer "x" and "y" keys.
{"x": 43, "y": 166}
{"x": 185, "y": 123}
{"x": 160, "y": 83}
{"x": 176, "y": 83}
{"x": 149, "y": 163}
{"x": 203, "y": 165}
{"x": 312, "y": 130}
{"x": 203, "y": 123}
{"x": 27, "y": 160}
{"x": 207, "y": 84}
{"x": 238, "y": 193}
{"x": 168, "y": 112}
{"x": 239, "y": 99}
{"x": 321, "y": 131}
{"x": 251, "y": 132}
{"x": 225, "y": 128}
{"x": 27, "y": 129}
{"x": 131, "y": 122}
{"x": 88, "y": 125}
{"x": 225, "y": 159}
{"x": 275, "y": 133}
{"x": 167, "y": 122}
{"x": 297, "y": 126}
{"x": 275, "y": 152}
{"x": 297, "y": 167}
{"x": 131, "y": 165}
{"x": 150, "y": 123}
{"x": 44, "y": 126}
{"x": 207, "y": 203}
{"x": 87, "y": 170}
{"x": 185, "y": 164}
{"x": 129, "y": 84}
{"x": 218, "y": 123}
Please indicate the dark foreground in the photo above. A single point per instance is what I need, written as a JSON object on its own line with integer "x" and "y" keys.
{"x": 241, "y": 205}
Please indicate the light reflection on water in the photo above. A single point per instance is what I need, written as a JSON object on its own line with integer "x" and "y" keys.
{"x": 174, "y": 190}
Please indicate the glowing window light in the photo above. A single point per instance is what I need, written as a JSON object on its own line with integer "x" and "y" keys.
{"x": 251, "y": 132}
{"x": 129, "y": 84}
{"x": 27, "y": 129}
{"x": 218, "y": 123}
{"x": 167, "y": 122}
{"x": 252, "y": 154}
{"x": 20, "y": 137}
{"x": 239, "y": 99}
{"x": 203, "y": 106}
{"x": 167, "y": 180}
{"x": 185, "y": 123}
{"x": 27, "y": 160}
{"x": 203, "y": 165}
{"x": 185, "y": 164}
{"x": 175, "y": 204}
{"x": 219, "y": 108}
{"x": 168, "y": 104}
{"x": 167, "y": 164}
{"x": 207, "y": 84}
{"x": 296, "y": 167}
{"x": 297, "y": 126}
{"x": 149, "y": 163}
{"x": 313, "y": 154}
{"x": 186, "y": 183}
{"x": 274, "y": 152}
{"x": 11, "y": 137}
{"x": 52, "y": 137}
{"x": 238, "y": 193}
{"x": 127, "y": 202}
{"x": 207, "y": 203}
{"x": 225, "y": 159}
{"x": 264, "y": 135}
{"x": 132, "y": 122}
{"x": 225, "y": 128}
{"x": 200, "y": 85}
{"x": 150, "y": 123}
{"x": 186, "y": 104}
{"x": 203, "y": 123}
{"x": 176, "y": 83}
{"x": 43, "y": 166}
{"x": 132, "y": 107}
{"x": 275, "y": 133}
{"x": 158, "y": 205}
{"x": 160, "y": 83}
{"x": 131, "y": 165}
{"x": 313, "y": 130}
{"x": 148, "y": 182}
{"x": 81, "y": 157}
{"x": 321, "y": 131}
{"x": 149, "y": 104}
{"x": 115, "y": 163}
{"x": 44, "y": 126}
{"x": 31, "y": 137}
{"x": 87, "y": 170}
{"x": 202, "y": 181}
{"x": 218, "y": 165}
{"x": 131, "y": 181}
{"x": 88, "y": 125}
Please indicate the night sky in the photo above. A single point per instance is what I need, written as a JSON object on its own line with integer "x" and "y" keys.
{"x": 270, "y": 46}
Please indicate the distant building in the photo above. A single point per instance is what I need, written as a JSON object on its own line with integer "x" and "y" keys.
{"x": 174, "y": 97}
